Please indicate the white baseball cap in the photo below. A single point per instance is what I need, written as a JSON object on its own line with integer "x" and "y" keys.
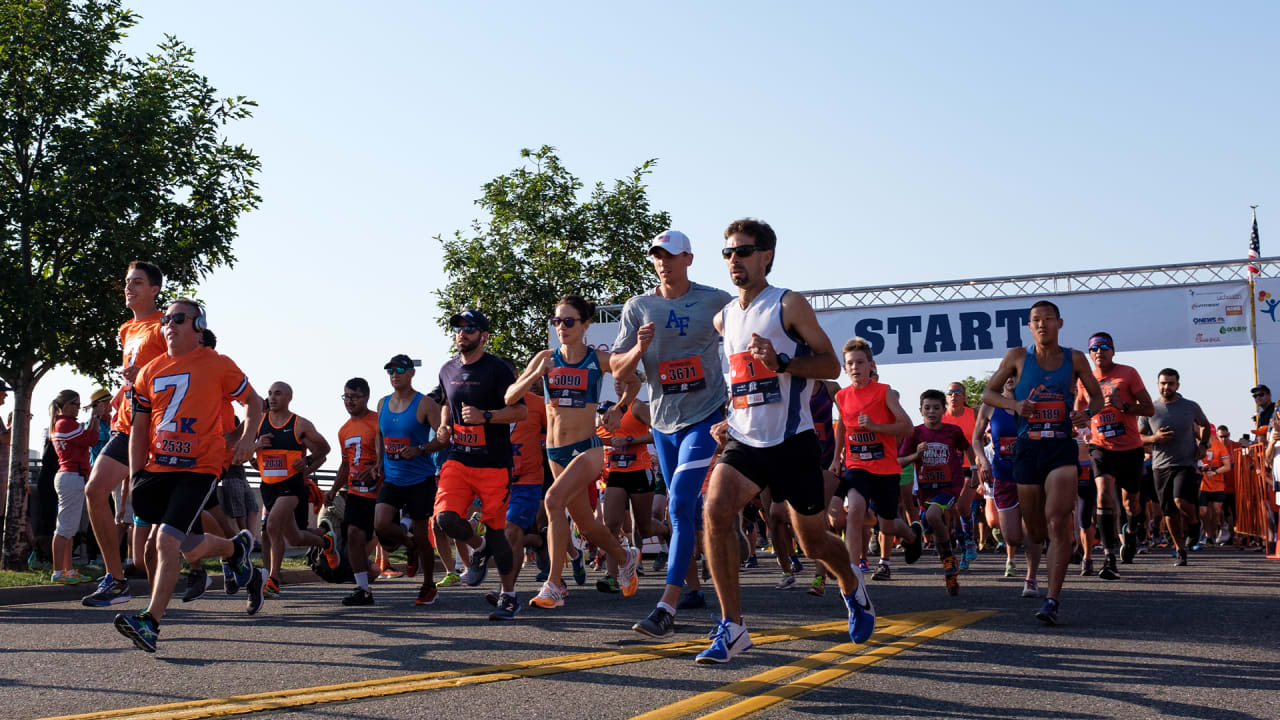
{"x": 673, "y": 241}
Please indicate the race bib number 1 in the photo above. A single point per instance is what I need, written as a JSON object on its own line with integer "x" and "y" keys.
{"x": 753, "y": 383}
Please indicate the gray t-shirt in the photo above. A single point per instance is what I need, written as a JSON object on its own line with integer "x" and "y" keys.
{"x": 682, "y": 365}
{"x": 1182, "y": 416}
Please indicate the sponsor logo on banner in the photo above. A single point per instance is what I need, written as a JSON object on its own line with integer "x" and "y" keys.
{"x": 1211, "y": 320}
{"x": 1202, "y": 339}
{"x": 1270, "y": 302}
{"x": 1210, "y": 309}
{"x": 1232, "y": 329}
{"x": 1235, "y": 310}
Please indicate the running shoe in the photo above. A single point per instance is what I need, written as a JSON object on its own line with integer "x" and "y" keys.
{"x": 411, "y": 563}
{"x": 197, "y": 582}
{"x": 478, "y": 567}
{"x": 450, "y": 578}
{"x": 506, "y": 608}
{"x": 1087, "y": 568}
{"x": 970, "y": 550}
{"x": 1030, "y": 589}
{"x": 389, "y": 572}
{"x": 751, "y": 562}
{"x": 797, "y": 567}
{"x": 692, "y": 600}
{"x": 1144, "y": 547}
{"x": 608, "y": 584}
{"x": 256, "y": 590}
{"x": 110, "y": 591}
{"x": 1182, "y": 559}
{"x": 1128, "y": 545}
{"x": 1196, "y": 546}
{"x": 1048, "y": 612}
{"x": 818, "y": 587}
{"x": 330, "y": 551}
{"x": 240, "y": 564}
{"x": 1009, "y": 569}
{"x": 579, "y": 570}
{"x": 873, "y": 545}
{"x": 271, "y": 588}
{"x": 706, "y": 570}
{"x": 962, "y": 561}
{"x": 882, "y": 573}
{"x": 727, "y": 642}
{"x": 426, "y": 595}
{"x": 359, "y": 596}
{"x": 550, "y": 596}
{"x": 862, "y": 565}
{"x": 544, "y": 574}
{"x": 660, "y": 562}
{"x": 1224, "y": 536}
{"x": 1108, "y": 571}
{"x": 787, "y": 582}
{"x": 660, "y": 624}
{"x": 913, "y": 550}
{"x": 627, "y": 573}
{"x": 141, "y": 629}
{"x": 70, "y": 577}
{"x": 35, "y": 563}
{"x": 862, "y": 615}
{"x": 950, "y": 568}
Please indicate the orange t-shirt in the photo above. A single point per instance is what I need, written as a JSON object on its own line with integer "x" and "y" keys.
{"x": 1112, "y": 428}
{"x": 1213, "y": 460}
{"x": 359, "y": 440}
{"x": 965, "y": 422}
{"x": 629, "y": 458}
{"x": 142, "y": 343}
{"x": 528, "y": 437}
{"x": 872, "y": 452}
{"x": 184, "y": 397}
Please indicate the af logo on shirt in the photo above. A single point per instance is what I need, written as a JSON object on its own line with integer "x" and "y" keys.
{"x": 676, "y": 321}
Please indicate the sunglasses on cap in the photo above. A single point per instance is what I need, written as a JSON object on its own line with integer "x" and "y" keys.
{"x": 742, "y": 251}
{"x": 176, "y": 318}
{"x": 466, "y": 329}
{"x": 1099, "y": 346}
{"x": 397, "y": 371}
{"x": 567, "y": 322}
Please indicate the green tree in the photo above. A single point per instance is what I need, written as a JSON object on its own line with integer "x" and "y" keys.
{"x": 541, "y": 242}
{"x": 104, "y": 158}
{"x": 973, "y": 388}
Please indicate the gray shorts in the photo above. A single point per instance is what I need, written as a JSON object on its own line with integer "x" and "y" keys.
{"x": 71, "y": 517}
{"x": 234, "y": 494}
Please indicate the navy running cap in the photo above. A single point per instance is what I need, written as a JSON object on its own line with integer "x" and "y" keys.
{"x": 401, "y": 361}
{"x": 470, "y": 317}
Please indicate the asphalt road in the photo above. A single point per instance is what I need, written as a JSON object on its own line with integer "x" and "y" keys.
{"x": 1195, "y": 642}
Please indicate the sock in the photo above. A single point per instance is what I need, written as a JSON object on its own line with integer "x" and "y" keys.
{"x": 884, "y": 562}
{"x": 511, "y": 594}
{"x": 1107, "y": 523}
{"x": 484, "y": 540}
{"x": 362, "y": 580}
{"x": 668, "y": 608}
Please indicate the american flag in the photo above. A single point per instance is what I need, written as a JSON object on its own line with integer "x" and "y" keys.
{"x": 1255, "y": 250}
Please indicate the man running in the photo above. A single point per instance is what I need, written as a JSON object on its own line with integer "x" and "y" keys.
{"x": 1178, "y": 433}
{"x": 1044, "y": 456}
{"x": 358, "y": 439}
{"x": 142, "y": 342}
{"x": 776, "y": 349}
{"x": 477, "y": 422}
{"x": 670, "y": 330}
{"x": 176, "y": 452}
{"x": 406, "y": 463}
{"x": 1116, "y": 448}
{"x": 289, "y": 450}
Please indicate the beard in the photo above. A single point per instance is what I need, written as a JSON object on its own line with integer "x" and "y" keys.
{"x": 466, "y": 345}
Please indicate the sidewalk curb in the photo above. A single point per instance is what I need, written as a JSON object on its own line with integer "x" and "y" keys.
{"x": 31, "y": 594}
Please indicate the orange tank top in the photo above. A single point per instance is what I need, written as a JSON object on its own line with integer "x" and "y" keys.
{"x": 631, "y": 457}
{"x": 275, "y": 464}
{"x": 874, "y": 452}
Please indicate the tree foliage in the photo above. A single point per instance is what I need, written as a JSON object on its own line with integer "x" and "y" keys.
{"x": 973, "y": 388}
{"x": 104, "y": 158}
{"x": 541, "y": 243}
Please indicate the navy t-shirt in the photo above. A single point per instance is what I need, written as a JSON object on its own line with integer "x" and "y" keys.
{"x": 482, "y": 384}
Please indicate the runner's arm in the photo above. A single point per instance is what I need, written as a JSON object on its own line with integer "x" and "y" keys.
{"x": 537, "y": 368}
{"x": 339, "y": 482}
{"x": 901, "y": 426}
{"x": 1142, "y": 405}
{"x": 636, "y": 339}
{"x": 992, "y": 395}
{"x": 139, "y": 439}
{"x": 1086, "y": 378}
{"x": 800, "y": 319}
{"x": 431, "y": 415}
{"x": 317, "y": 447}
{"x": 838, "y": 432}
{"x": 253, "y": 411}
{"x": 979, "y": 439}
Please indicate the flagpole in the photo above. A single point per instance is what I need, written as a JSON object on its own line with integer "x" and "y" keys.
{"x": 1253, "y": 308}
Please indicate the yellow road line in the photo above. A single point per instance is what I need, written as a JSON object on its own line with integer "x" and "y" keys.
{"x": 276, "y": 700}
{"x": 852, "y": 665}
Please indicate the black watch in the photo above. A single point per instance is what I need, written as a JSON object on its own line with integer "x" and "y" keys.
{"x": 488, "y": 415}
{"x": 784, "y": 361}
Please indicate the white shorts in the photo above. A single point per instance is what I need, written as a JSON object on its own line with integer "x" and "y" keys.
{"x": 70, "y": 487}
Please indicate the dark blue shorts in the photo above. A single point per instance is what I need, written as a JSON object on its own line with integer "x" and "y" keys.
{"x": 880, "y": 491}
{"x": 1033, "y": 460}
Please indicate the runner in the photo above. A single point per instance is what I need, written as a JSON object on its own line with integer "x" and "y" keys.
{"x": 358, "y": 438}
{"x": 670, "y": 330}
{"x": 998, "y": 472}
{"x": 572, "y": 375}
{"x": 406, "y": 444}
{"x": 142, "y": 342}
{"x": 1178, "y": 431}
{"x": 629, "y": 481}
{"x": 1044, "y": 455}
{"x": 176, "y": 452}
{"x": 1116, "y": 448}
{"x": 1213, "y": 490}
{"x": 477, "y": 421}
{"x": 528, "y": 441}
{"x": 821, "y": 403}
{"x": 289, "y": 449}
{"x": 775, "y": 347}
{"x": 870, "y": 421}
{"x": 936, "y": 449}
{"x": 958, "y": 413}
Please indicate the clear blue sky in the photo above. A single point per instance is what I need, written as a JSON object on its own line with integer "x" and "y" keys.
{"x": 884, "y": 142}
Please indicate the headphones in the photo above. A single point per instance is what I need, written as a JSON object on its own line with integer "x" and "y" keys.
{"x": 201, "y": 321}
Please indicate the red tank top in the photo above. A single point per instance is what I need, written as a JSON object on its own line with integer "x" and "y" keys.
{"x": 871, "y": 451}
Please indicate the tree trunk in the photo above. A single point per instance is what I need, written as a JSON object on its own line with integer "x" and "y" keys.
{"x": 15, "y": 515}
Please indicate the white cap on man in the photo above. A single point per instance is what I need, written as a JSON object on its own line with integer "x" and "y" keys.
{"x": 673, "y": 241}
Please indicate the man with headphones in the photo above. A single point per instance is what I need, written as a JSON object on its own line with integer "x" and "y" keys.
{"x": 177, "y": 451}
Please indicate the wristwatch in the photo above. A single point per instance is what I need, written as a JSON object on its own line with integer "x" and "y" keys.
{"x": 488, "y": 415}
{"x": 784, "y": 361}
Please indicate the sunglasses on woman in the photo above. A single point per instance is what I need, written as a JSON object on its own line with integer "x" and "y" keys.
{"x": 567, "y": 322}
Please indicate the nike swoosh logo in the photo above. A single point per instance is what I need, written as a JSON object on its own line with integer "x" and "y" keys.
{"x": 732, "y": 645}
{"x": 689, "y": 305}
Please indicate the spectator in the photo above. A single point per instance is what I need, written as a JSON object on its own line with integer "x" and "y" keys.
{"x": 100, "y": 407}
{"x": 1266, "y": 407}
{"x": 71, "y": 441}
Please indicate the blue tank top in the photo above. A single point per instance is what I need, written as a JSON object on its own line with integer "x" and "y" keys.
{"x": 1053, "y": 394}
{"x": 1004, "y": 431}
{"x": 576, "y": 385}
{"x": 399, "y": 431}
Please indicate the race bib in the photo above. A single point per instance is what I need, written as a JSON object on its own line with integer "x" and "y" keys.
{"x": 621, "y": 461}
{"x": 1048, "y": 420}
{"x": 753, "y": 384}
{"x": 468, "y": 439}
{"x": 935, "y": 465}
{"x": 567, "y": 387}
{"x": 393, "y": 446}
{"x": 681, "y": 376}
{"x": 1006, "y": 447}
{"x": 176, "y": 449}
{"x": 1108, "y": 424}
{"x": 863, "y": 446}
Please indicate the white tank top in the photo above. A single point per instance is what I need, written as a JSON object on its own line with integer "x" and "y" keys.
{"x": 765, "y": 408}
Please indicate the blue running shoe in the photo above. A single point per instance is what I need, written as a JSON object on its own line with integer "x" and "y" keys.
{"x": 970, "y": 550}
{"x": 110, "y": 592}
{"x": 242, "y": 562}
{"x": 727, "y": 642}
{"x": 692, "y": 600}
{"x": 579, "y": 570}
{"x": 1048, "y": 612}
{"x": 862, "y": 616}
{"x": 140, "y": 628}
{"x": 964, "y": 561}
{"x": 478, "y": 567}
{"x": 751, "y": 562}
{"x": 797, "y": 567}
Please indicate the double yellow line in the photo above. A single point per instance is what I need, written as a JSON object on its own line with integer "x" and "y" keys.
{"x": 283, "y": 699}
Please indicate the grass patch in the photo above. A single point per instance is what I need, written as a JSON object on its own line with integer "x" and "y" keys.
{"x": 12, "y": 578}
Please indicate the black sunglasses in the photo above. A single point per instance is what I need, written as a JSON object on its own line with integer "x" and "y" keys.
{"x": 567, "y": 322}
{"x": 1257, "y": 394}
{"x": 1096, "y": 348}
{"x": 397, "y": 371}
{"x": 742, "y": 251}
{"x": 466, "y": 329}
{"x": 176, "y": 318}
